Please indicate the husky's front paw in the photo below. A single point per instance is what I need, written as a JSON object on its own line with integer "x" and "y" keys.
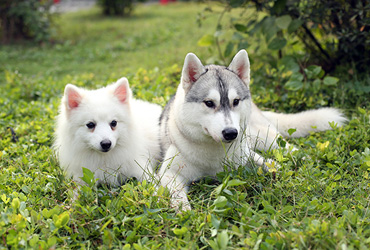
{"x": 180, "y": 206}
{"x": 180, "y": 202}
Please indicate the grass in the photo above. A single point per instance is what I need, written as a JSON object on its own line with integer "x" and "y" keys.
{"x": 87, "y": 42}
{"x": 317, "y": 202}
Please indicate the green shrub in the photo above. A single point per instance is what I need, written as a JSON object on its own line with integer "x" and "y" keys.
{"x": 329, "y": 33}
{"x": 25, "y": 19}
{"x": 116, "y": 7}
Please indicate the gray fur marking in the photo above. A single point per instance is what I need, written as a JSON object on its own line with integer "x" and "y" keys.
{"x": 221, "y": 78}
{"x": 164, "y": 130}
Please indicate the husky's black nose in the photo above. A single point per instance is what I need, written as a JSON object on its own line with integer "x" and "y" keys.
{"x": 105, "y": 145}
{"x": 229, "y": 134}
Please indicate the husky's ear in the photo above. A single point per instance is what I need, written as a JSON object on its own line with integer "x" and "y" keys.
{"x": 191, "y": 71}
{"x": 73, "y": 96}
{"x": 122, "y": 90}
{"x": 240, "y": 65}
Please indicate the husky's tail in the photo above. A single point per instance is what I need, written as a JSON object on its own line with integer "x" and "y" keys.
{"x": 305, "y": 122}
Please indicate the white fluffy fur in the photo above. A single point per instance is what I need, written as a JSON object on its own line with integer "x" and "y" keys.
{"x": 135, "y": 143}
{"x": 266, "y": 126}
{"x": 193, "y": 140}
{"x": 306, "y": 121}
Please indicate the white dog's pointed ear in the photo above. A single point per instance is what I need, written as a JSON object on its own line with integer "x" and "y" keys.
{"x": 122, "y": 90}
{"x": 191, "y": 71}
{"x": 240, "y": 65}
{"x": 73, "y": 96}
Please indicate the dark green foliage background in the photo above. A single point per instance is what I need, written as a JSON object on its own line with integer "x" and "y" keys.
{"x": 25, "y": 20}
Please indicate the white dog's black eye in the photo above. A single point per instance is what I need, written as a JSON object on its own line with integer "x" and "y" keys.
{"x": 209, "y": 104}
{"x": 90, "y": 125}
{"x": 236, "y": 102}
{"x": 113, "y": 124}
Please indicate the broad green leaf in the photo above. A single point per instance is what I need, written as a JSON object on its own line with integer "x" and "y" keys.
{"x": 294, "y": 85}
{"x": 180, "y": 231}
{"x": 206, "y": 41}
{"x": 243, "y": 45}
{"x": 52, "y": 241}
{"x": 16, "y": 203}
{"x": 215, "y": 221}
{"x": 126, "y": 246}
{"x": 34, "y": 240}
{"x": 313, "y": 71}
{"x": 46, "y": 213}
{"x": 240, "y": 27}
{"x": 330, "y": 81}
{"x": 229, "y": 49}
{"x": 277, "y": 43}
{"x": 260, "y": 171}
{"x": 237, "y": 37}
{"x": 270, "y": 209}
{"x": 235, "y": 229}
{"x": 322, "y": 146}
{"x": 222, "y": 239}
{"x": 137, "y": 246}
{"x": 213, "y": 244}
{"x": 296, "y": 77}
{"x": 361, "y": 110}
{"x": 11, "y": 237}
{"x": 316, "y": 85}
{"x": 289, "y": 63}
{"x": 235, "y": 182}
{"x": 62, "y": 220}
{"x": 269, "y": 29}
{"x": 283, "y": 22}
{"x": 291, "y": 131}
{"x": 4, "y": 198}
{"x": 23, "y": 206}
{"x": 287, "y": 209}
{"x": 220, "y": 202}
{"x": 88, "y": 177}
{"x": 236, "y": 3}
{"x": 337, "y": 177}
{"x": 294, "y": 25}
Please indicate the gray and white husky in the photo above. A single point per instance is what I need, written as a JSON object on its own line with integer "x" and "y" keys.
{"x": 212, "y": 119}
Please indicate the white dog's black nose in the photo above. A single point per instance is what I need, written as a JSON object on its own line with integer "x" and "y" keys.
{"x": 229, "y": 134}
{"x": 105, "y": 145}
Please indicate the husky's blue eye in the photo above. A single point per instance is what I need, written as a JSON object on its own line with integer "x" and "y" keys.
{"x": 209, "y": 104}
{"x": 236, "y": 102}
{"x": 90, "y": 125}
{"x": 113, "y": 124}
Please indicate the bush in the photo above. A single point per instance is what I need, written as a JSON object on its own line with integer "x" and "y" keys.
{"x": 25, "y": 19}
{"x": 116, "y": 7}
{"x": 332, "y": 32}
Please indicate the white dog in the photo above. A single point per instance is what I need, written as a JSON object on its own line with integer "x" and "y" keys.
{"x": 212, "y": 118}
{"x": 107, "y": 132}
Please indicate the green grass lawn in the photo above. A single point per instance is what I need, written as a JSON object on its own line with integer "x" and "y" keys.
{"x": 86, "y": 42}
{"x": 319, "y": 199}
